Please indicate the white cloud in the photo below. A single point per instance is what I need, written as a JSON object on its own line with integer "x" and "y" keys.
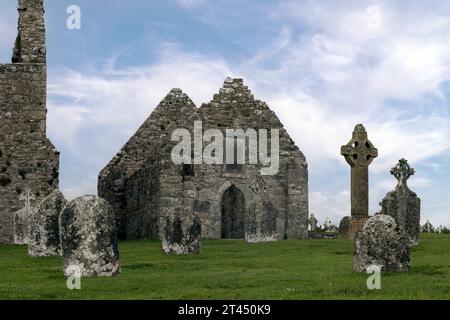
{"x": 188, "y": 4}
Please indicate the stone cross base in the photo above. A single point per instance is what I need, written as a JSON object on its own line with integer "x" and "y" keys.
{"x": 349, "y": 226}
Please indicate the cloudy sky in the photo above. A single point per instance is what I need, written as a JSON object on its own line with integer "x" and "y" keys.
{"x": 322, "y": 66}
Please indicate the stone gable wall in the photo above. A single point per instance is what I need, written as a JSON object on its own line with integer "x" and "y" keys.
{"x": 276, "y": 206}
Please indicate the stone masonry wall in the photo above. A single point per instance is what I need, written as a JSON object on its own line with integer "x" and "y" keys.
{"x": 30, "y": 42}
{"x": 142, "y": 198}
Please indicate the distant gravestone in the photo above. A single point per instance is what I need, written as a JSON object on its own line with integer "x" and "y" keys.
{"x": 180, "y": 239}
{"x": 403, "y": 204}
{"x": 383, "y": 243}
{"x": 328, "y": 226}
{"x": 22, "y": 218}
{"x": 89, "y": 238}
{"x": 428, "y": 227}
{"x": 359, "y": 153}
{"x": 312, "y": 223}
{"x": 44, "y": 237}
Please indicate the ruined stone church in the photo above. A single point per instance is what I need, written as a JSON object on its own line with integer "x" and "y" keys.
{"x": 232, "y": 201}
{"x": 28, "y": 160}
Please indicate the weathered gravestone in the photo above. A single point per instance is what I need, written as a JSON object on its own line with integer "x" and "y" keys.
{"x": 428, "y": 227}
{"x": 383, "y": 243}
{"x": 22, "y": 218}
{"x": 403, "y": 204}
{"x": 43, "y": 229}
{"x": 359, "y": 154}
{"x": 181, "y": 236}
{"x": 89, "y": 238}
{"x": 263, "y": 230}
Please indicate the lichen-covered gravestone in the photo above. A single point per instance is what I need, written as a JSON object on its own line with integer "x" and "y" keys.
{"x": 89, "y": 237}
{"x": 21, "y": 226}
{"x": 180, "y": 236}
{"x": 403, "y": 204}
{"x": 43, "y": 228}
{"x": 22, "y": 218}
{"x": 383, "y": 243}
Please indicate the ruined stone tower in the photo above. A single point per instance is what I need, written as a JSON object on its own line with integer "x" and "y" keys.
{"x": 28, "y": 160}
{"x": 147, "y": 189}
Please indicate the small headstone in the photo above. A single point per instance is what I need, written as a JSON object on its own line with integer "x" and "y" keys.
{"x": 428, "y": 227}
{"x": 44, "y": 228}
{"x": 89, "y": 237}
{"x": 383, "y": 243}
{"x": 328, "y": 226}
{"x": 22, "y": 218}
{"x": 179, "y": 238}
{"x": 403, "y": 204}
{"x": 312, "y": 222}
{"x": 254, "y": 233}
{"x": 21, "y": 226}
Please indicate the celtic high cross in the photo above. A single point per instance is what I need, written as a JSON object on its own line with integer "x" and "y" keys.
{"x": 359, "y": 153}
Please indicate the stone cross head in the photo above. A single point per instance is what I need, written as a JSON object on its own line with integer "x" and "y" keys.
{"x": 402, "y": 171}
{"x": 27, "y": 197}
{"x": 359, "y": 151}
{"x": 313, "y": 221}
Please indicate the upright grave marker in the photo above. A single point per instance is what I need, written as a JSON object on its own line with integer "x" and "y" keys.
{"x": 403, "y": 204}
{"x": 21, "y": 218}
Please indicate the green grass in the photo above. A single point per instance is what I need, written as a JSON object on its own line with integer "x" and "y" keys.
{"x": 309, "y": 269}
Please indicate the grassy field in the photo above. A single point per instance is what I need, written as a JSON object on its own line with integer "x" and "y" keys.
{"x": 311, "y": 269}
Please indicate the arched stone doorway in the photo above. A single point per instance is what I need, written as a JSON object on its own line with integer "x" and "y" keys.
{"x": 233, "y": 214}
